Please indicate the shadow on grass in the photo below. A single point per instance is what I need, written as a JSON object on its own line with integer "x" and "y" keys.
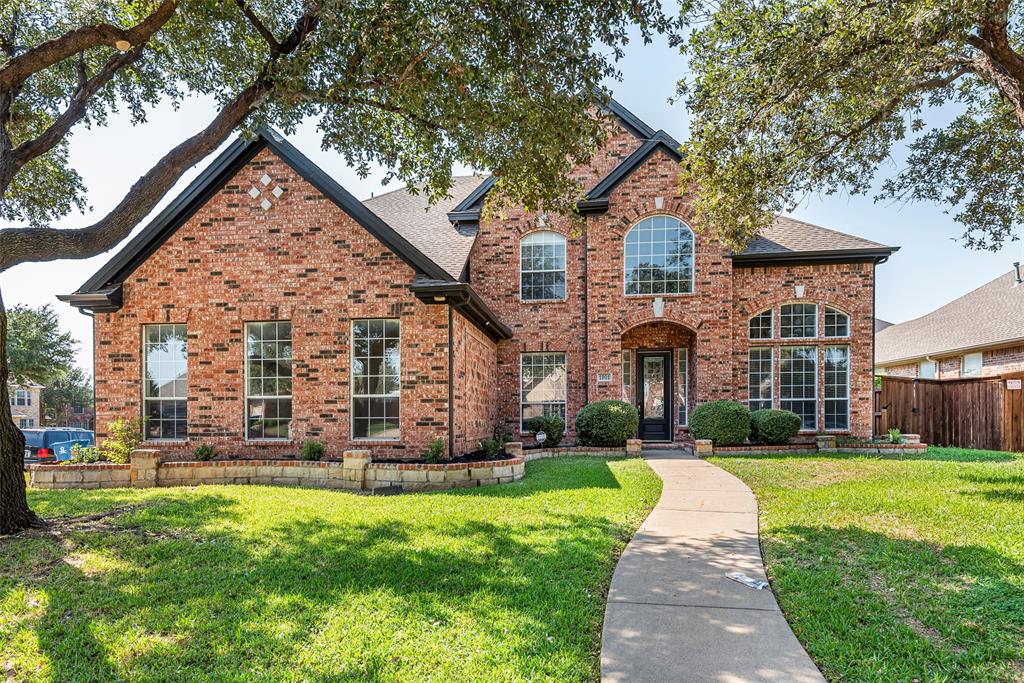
{"x": 180, "y": 594}
{"x": 1011, "y": 486}
{"x": 871, "y": 607}
{"x": 936, "y": 453}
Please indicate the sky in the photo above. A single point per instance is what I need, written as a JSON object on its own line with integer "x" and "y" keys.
{"x": 930, "y": 269}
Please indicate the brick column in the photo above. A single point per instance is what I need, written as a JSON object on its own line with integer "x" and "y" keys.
{"x": 354, "y": 466}
{"x": 144, "y": 462}
{"x": 634, "y": 446}
{"x": 514, "y": 449}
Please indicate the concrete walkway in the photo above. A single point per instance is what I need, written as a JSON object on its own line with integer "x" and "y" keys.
{"x": 672, "y": 615}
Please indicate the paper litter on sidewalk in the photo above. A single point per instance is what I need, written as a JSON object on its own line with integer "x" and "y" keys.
{"x": 739, "y": 577}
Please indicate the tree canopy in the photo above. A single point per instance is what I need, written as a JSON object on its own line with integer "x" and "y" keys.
{"x": 37, "y": 349}
{"x": 60, "y": 398}
{"x": 790, "y": 97}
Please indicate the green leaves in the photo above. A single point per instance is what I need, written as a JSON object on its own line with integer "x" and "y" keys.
{"x": 37, "y": 350}
{"x": 798, "y": 96}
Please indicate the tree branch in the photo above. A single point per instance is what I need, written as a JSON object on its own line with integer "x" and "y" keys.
{"x": 16, "y": 69}
{"x": 275, "y": 47}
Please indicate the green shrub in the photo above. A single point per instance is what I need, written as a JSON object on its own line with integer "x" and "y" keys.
{"x": 606, "y": 423}
{"x": 774, "y": 427}
{"x": 726, "y": 423}
{"x": 490, "y": 447}
{"x": 435, "y": 451}
{"x": 204, "y": 451}
{"x": 123, "y": 437}
{"x": 895, "y": 436}
{"x": 312, "y": 450}
{"x": 84, "y": 454}
{"x": 553, "y": 427}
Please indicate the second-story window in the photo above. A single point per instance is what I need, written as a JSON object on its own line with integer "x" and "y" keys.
{"x": 542, "y": 266}
{"x": 761, "y": 325}
{"x": 659, "y": 257}
{"x": 837, "y": 323}
{"x": 798, "y": 321}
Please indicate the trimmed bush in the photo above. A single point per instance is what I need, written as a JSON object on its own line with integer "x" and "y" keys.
{"x": 553, "y": 427}
{"x": 490, "y": 448}
{"x": 312, "y": 450}
{"x": 773, "y": 427}
{"x": 606, "y": 424}
{"x": 726, "y": 423}
{"x": 203, "y": 451}
{"x": 123, "y": 437}
{"x": 435, "y": 450}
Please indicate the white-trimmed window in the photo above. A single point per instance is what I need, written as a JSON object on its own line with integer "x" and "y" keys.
{"x": 376, "y": 379}
{"x": 165, "y": 382}
{"x": 683, "y": 384}
{"x": 759, "y": 378}
{"x": 543, "y": 385}
{"x": 927, "y": 369}
{"x": 21, "y": 397}
{"x": 542, "y": 266}
{"x": 659, "y": 257}
{"x": 798, "y": 321}
{"x": 627, "y": 377}
{"x": 761, "y": 325}
{"x": 837, "y": 323}
{"x": 26, "y": 422}
{"x": 972, "y": 364}
{"x": 837, "y": 388}
{"x": 798, "y": 383}
{"x": 268, "y": 380}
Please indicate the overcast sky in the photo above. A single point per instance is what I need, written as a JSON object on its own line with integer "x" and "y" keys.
{"x": 930, "y": 269}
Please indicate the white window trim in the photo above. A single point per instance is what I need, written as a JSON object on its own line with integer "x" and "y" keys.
{"x": 246, "y": 396}
{"x": 818, "y": 369}
{"x": 565, "y": 399}
{"x": 849, "y": 323}
{"x": 771, "y": 375}
{"x": 142, "y": 387}
{"x": 352, "y": 386}
{"x": 817, "y": 313}
{"x": 849, "y": 387}
{"x": 564, "y": 271}
{"x": 771, "y": 324}
{"x": 693, "y": 270}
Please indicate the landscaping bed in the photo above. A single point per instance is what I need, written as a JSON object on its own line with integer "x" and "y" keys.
{"x": 262, "y": 583}
{"x": 900, "y": 568}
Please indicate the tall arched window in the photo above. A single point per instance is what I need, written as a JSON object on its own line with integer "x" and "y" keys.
{"x": 659, "y": 257}
{"x": 542, "y": 266}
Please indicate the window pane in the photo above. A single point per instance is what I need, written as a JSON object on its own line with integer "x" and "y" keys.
{"x": 376, "y": 374}
{"x": 759, "y": 378}
{"x": 837, "y": 323}
{"x": 837, "y": 387}
{"x": 798, "y": 321}
{"x": 627, "y": 376}
{"x": 268, "y": 405}
{"x": 542, "y": 266}
{"x": 761, "y": 325}
{"x": 544, "y": 385}
{"x": 658, "y": 257}
{"x": 165, "y": 381}
{"x": 683, "y": 387}
{"x": 798, "y": 390}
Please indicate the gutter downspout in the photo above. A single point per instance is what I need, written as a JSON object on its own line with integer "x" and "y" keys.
{"x": 874, "y": 275}
{"x": 451, "y": 385}
{"x": 586, "y": 315}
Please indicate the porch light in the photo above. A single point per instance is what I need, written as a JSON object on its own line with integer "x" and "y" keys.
{"x": 659, "y": 307}
{"x": 439, "y": 299}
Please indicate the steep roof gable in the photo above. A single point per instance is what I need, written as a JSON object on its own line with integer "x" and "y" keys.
{"x": 103, "y": 290}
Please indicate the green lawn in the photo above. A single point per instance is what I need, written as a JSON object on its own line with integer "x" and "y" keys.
{"x": 237, "y": 583}
{"x": 897, "y": 569}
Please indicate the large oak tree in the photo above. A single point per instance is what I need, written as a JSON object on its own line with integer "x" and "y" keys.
{"x": 796, "y": 96}
{"x": 413, "y": 85}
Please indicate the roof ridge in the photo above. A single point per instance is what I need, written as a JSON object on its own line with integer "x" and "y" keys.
{"x": 833, "y": 230}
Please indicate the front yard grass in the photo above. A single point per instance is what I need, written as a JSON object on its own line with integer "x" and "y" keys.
{"x": 501, "y": 583}
{"x": 897, "y": 569}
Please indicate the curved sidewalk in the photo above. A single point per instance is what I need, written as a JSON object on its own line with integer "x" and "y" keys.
{"x": 672, "y": 615}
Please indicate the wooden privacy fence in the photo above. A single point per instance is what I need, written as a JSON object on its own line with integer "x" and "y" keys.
{"x": 983, "y": 412}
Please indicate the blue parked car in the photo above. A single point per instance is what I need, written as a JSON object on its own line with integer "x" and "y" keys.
{"x": 51, "y": 444}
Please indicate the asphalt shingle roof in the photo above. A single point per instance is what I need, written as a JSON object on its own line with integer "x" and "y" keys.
{"x": 427, "y": 227}
{"x": 788, "y": 235}
{"x": 990, "y": 315}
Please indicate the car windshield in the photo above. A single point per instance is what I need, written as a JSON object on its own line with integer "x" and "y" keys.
{"x": 34, "y": 439}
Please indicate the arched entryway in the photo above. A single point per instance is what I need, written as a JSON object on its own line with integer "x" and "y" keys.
{"x": 657, "y": 374}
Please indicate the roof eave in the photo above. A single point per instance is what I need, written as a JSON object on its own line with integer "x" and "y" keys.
{"x": 1014, "y": 341}
{"x": 461, "y": 297}
{"x": 104, "y": 301}
{"x": 870, "y": 254}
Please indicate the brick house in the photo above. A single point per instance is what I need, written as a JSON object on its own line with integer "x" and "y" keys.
{"x": 266, "y": 305}
{"x": 980, "y": 334}
{"x": 25, "y": 404}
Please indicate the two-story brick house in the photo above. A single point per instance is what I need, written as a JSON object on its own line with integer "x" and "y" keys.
{"x": 266, "y": 305}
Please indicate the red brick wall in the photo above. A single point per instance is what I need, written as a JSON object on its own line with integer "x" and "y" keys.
{"x": 304, "y": 260}
{"x": 906, "y": 370}
{"x": 476, "y": 366}
{"x": 994, "y": 362}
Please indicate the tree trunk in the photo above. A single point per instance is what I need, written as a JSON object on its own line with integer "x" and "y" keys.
{"x": 15, "y": 514}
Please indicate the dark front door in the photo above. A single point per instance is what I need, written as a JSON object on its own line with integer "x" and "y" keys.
{"x": 655, "y": 395}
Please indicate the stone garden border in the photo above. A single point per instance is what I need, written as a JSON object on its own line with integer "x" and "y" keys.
{"x": 823, "y": 444}
{"x": 356, "y": 471}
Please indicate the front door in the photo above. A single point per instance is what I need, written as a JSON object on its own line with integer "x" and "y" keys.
{"x": 655, "y": 395}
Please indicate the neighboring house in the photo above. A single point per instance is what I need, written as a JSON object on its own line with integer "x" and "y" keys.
{"x": 266, "y": 305}
{"x": 881, "y": 324}
{"x": 78, "y": 415}
{"x": 25, "y": 404}
{"x": 980, "y": 334}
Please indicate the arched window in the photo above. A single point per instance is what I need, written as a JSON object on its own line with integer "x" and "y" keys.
{"x": 798, "y": 321}
{"x": 542, "y": 266}
{"x": 659, "y": 257}
{"x": 761, "y": 325}
{"x": 837, "y": 323}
